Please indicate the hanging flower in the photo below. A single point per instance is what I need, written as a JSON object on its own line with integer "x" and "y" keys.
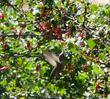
{"x": 1, "y": 15}
{"x": 4, "y": 68}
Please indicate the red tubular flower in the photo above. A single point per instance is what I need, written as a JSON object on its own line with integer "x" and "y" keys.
{"x": 19, "y": 34}
{"x": 68, "y": 34}
{"x": 4, "y": 68}
{"x": 70, "y": 68}
{"x": 38, "y": 70}
{"x": 85, "y": 68}
{"x": 98, "y": 86}
{"x": 58, "y": 33}
{"x": 28, "y": 45}
{"x": 57, "y": 30}
{"x": 5, "y": 46}
{"x": 82, "y": 44}
{"x": 1, "y": 15}
{"x": 82, "y": 35}
{"x": 44, "y": 26}
{"x": 1, "y": 38}
{"x": 45, "y": 13}
{"x": 13, "y": 29}
{"x": 38, "y": 67}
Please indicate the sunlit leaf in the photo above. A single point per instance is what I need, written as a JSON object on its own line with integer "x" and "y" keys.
{"x": 93, "y": 7}
{"x": 102, "y": 56}
{"x": 91, "y": 43}
{"x": 96, "y": 69}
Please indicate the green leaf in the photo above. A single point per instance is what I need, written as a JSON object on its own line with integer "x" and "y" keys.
{"x": 62, "y": 91}
{"x": 96, "y": 69}
{"x": 102, "y": 56}
{"x": 100, "y": 20}
{"x": 108, "y": 78}
{"x": 3, "y": 83}
{"x": 20, "y": 61}
{"x": 82, "y": 76}
{"x": 80, "y": 19}
{"x": 39, "y": 6}
{"x": 93, "y": 7}
{"x": 108, "y": 48}
{"x": 91, "y": 43}
{"x": 58, "y": 2}
{"x": 30, "y": 65}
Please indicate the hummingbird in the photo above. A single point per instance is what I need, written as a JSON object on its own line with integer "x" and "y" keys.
{"x": 56, "y": 61}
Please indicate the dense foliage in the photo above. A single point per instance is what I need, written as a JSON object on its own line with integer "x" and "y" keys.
{"x": 78, "y": 28}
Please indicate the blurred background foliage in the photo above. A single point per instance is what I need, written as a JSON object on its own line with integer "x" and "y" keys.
{"x": 79, "y": 28}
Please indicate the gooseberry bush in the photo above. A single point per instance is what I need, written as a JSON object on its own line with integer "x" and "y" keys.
{"x": 78, "y": 28}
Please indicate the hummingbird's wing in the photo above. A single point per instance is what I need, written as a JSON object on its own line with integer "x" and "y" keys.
{"x": 52, "y": 58}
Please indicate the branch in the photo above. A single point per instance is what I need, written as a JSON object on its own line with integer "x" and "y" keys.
{"x": 94, "y": 59}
